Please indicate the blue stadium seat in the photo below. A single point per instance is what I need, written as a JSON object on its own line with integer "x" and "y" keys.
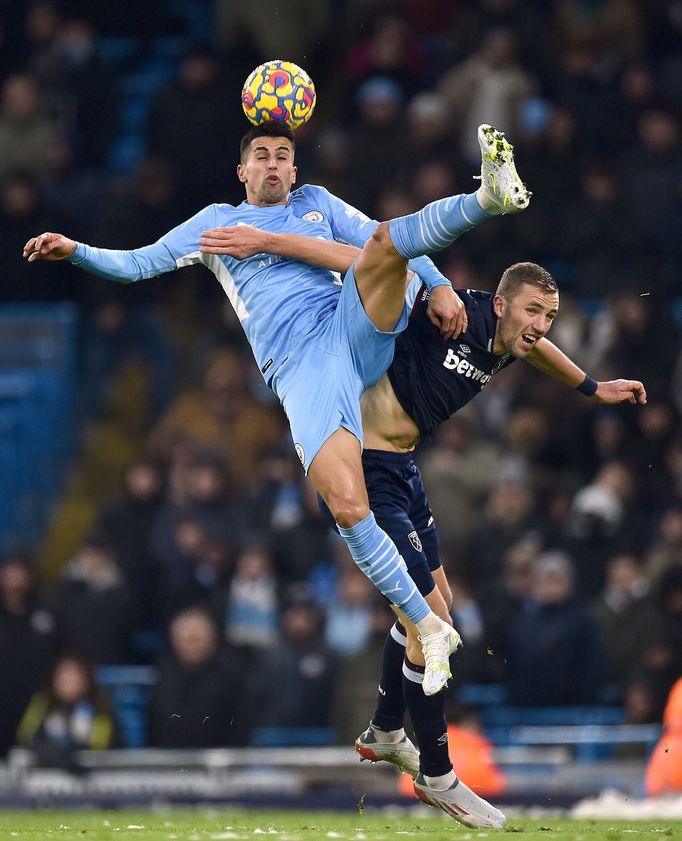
{"x": 37, "y": 377}
{"x": 129, "y": 688}
{"x": 506, "y": 725}
{"x": 285, "y": 737}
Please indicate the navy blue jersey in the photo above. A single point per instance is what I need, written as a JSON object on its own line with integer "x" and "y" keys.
{"x": 433, "y": 378}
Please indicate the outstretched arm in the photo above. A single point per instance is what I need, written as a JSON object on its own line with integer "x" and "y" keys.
{"x": 123, "y": 266}
{"x": 547, "y": 357}
{"x": 180, "y": 244}
{"x": 244, "y": 241}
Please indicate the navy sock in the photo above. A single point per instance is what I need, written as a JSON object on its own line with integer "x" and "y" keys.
{"x": 428, "y": 719}
{"x": 390, "y": 709}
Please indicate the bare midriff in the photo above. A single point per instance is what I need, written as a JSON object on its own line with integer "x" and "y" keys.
{"x": 385, "y": 423}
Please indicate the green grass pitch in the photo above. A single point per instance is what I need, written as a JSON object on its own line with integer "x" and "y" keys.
{"x": 228, "y": 824}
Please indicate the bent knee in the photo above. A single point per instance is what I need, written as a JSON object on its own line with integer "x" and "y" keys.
{"x": 381, "y": 241}
{"x": 347, "y": 512}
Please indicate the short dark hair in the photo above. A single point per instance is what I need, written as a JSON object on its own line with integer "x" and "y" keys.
{"x": 273, "y": 128}
{"x": 515, "y": 276}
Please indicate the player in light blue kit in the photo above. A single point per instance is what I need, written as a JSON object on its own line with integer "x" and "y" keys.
{"x": 320, "y": 344}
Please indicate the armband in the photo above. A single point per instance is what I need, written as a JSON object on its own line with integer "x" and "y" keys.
{"x": 588, "y": 386}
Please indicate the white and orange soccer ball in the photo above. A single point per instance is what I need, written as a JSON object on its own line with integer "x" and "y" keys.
{"x": 281, "y": 91}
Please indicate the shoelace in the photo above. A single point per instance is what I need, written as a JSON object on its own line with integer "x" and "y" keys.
{"x": 437, "y": 651}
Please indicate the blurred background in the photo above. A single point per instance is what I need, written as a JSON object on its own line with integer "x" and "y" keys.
{"x": 167, "y": 580}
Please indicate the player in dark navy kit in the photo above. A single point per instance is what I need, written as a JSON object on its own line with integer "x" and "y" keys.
{"x": 429, "y": 380}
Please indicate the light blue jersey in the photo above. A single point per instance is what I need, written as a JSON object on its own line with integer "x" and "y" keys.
{"x": 312, "y": 339}
{"x": 278, "y": 301}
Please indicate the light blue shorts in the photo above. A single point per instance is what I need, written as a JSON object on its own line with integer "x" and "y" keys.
{"x": 320, "y": 383}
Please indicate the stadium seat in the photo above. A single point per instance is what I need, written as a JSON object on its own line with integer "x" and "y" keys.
{"x": 284, "y": 737}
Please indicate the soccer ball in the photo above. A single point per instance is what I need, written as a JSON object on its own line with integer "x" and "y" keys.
{"x": 281, "y": 91}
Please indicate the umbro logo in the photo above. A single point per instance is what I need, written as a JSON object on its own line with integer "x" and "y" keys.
{"x": 465, "y": 348}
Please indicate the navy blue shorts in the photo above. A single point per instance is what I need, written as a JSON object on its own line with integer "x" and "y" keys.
{"x": 398, "y": 500}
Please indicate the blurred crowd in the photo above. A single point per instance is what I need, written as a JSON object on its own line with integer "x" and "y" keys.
{"x": 561, "y": 521}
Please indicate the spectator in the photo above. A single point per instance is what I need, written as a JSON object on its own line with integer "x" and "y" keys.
{"x": 459, "y": 473}
{"x": 197, "y": 701}
{"x": 392, "y": 52}
{"x": 488, "y": 87}
{"x": 554, "y": 657}
{"x": 247, "y": 608}
{"x": 626, "y": 616}
{"x": 666, "y": 549}
{"x": 29, "y": 141}
{"x": 378, "y": 133}
{"x": 597, "y": 246}
{"x": 603, "y": 519}
{"x": 293, "y": 682}
{"x": 467, "y": 617}
{"x": 93, "y": 605}
{"x": 507, "y": 597}
{"x": 286, "y": 506}
{"x": 664, "y": 773}
{"x": 28, "y": 641}
{"x": 126, "y": 525}
{"x": 71, "y": 714}
{"x": 349, "y": 614}
{"x": 663, "y": 659}
{"x": 141, "y": 209}
{"x": 222, "y": 416}
{"x": 654, "y": 168}
{"x": 23, "y": 207}
{"x": 183, "y": 129}
{"x": 118, "y": 331}
{"x": 75, "y": 76}
{"x": 262, "y": 23}
{"x": 355, "y": 691}
{"x": 176, "y": 570}
{"x": 509, "y": 516}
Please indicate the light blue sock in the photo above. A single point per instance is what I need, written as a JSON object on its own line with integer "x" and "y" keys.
{"x": 435, "y": 226}
{"x": 376, "y": 555}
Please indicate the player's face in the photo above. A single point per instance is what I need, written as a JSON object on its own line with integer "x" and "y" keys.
{"x": 523, "y": 319}
{"x": 268, "y": 171}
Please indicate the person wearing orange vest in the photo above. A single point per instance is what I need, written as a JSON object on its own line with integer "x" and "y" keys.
{"x": 664, "y": 771}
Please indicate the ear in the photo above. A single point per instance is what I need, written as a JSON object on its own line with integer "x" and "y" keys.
{"x": 498, "y": 305}
{"x": 241, "y": 173}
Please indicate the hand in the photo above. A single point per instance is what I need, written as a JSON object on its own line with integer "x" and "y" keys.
{"x": 48, "y": 247}
{"x": 239, "y": 242}
{"x": 446, "y": 310}
{"x": 612, "y": 392}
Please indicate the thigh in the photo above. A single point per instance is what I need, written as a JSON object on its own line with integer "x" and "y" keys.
{"x": 320, "y": 393}
{"x": 380, "y": 274}
{"x": 422, "y": 517}
{"x": 389, "y": 500}
{"x": 369, "y": 350}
